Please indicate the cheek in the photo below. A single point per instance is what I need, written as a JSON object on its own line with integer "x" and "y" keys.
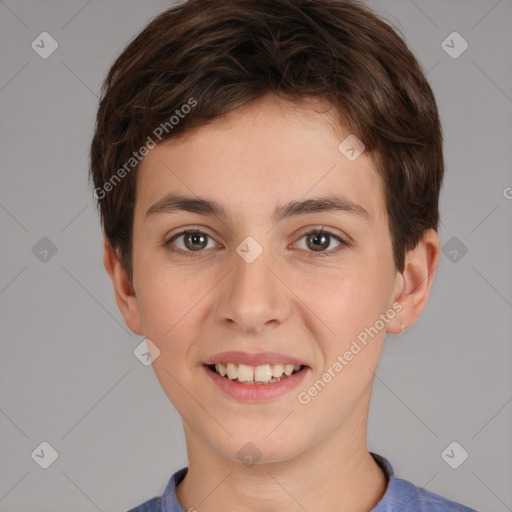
{"x": 346, "y": 311}
{"x": 346, "y": 323}
{"x": 166, "y": 303}
{"x": 347, "y": 300}
{"x": 164, "y": 291}
{"x": 169, "y": 309}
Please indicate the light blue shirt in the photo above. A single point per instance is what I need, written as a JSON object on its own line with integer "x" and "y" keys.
{"x": 400, "y": 496}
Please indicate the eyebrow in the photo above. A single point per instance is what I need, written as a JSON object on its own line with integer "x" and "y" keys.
{"x": 173, "y": 203}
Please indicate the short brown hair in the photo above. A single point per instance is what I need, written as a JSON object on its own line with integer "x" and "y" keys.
{"x": 219, "y": 55}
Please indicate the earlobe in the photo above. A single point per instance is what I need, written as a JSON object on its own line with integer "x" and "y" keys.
{"x": 416, "y": 281}
{"x": 124, "y": 293}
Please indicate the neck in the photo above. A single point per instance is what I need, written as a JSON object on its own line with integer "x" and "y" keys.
{"x": 336, "y": 473}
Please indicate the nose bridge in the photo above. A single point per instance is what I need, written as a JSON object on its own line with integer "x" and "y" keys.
{"x": 255, "y": 297}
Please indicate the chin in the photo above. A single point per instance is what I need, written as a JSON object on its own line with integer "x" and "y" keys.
{"x": 258, "y": 450}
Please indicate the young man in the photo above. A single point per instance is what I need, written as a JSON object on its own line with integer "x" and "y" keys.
{"x": 268, "y": 174}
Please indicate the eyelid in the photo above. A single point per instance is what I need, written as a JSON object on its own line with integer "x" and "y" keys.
{"x": 168, "y": 239}
{"x": 319, "y": 229}
{"x": 342, "y": 242}
{"x": 183, "y": 230}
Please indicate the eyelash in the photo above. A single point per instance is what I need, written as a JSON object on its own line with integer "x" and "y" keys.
{"x": 311, "y": 254}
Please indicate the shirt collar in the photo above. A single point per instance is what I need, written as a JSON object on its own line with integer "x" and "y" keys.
{"x": 170, "y": 503}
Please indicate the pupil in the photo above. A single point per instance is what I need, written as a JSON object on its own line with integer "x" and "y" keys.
{"x": 316, "y": 238}
{"x": 197, "y": 239}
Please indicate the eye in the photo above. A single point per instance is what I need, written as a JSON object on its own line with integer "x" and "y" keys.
{"x": 193, "y": 241}
{"x": 319, "y": 239}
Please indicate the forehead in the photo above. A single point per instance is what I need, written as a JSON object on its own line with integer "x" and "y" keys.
{"x": 256, "y": 158}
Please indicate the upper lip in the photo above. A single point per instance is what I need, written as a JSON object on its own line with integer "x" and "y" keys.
{"x": 254, "y": 359}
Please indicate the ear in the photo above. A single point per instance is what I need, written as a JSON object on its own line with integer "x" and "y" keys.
{"x": 414, "y": 283}
{"x": 125, "y": 295}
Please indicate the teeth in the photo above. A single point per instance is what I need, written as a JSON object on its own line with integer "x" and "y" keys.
{"x": 221, "y": 369}
{"x": 231, "y": 371}
{"x": 263, "y": 373}
{"x": 288, "y": 369}
{"x": 245, "y": 373}
{"x": 277, "y": 370}
{"x": 260, "y": 374}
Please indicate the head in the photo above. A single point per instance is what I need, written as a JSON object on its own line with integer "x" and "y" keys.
{"x": 249, "y": 104}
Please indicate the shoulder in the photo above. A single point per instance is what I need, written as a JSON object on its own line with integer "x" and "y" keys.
{"x": 152, "y": 505}
{"x": 413, "y": 498}
{"x": 404, "y": 496}
{"x": 168, "y": 501}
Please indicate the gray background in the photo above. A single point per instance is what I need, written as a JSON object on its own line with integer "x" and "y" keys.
{"x": 68, "y": 373}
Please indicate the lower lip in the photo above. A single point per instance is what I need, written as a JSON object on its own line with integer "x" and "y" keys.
{"x": 256, "y": 392}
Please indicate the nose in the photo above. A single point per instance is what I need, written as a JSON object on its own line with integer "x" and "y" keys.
{"x": 254, "y": 296}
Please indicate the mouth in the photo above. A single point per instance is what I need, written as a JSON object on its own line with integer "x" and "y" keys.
{"x": 255, "y": 375}
{"x": 255, "y": 384}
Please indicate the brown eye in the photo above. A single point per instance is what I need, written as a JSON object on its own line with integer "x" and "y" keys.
{"x": 195, "y": 241}
{"x": 318, "y": 241}
{"x": 192, "y": 240}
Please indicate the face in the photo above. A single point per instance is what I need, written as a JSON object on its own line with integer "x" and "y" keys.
{"x": 254, "y": 278}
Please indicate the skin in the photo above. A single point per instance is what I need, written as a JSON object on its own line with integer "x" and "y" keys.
{"x": 313, "y": 456}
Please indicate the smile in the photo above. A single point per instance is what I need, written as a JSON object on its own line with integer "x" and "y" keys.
{"x": 262, "y": 374}
{"x": 252, "y": 390}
